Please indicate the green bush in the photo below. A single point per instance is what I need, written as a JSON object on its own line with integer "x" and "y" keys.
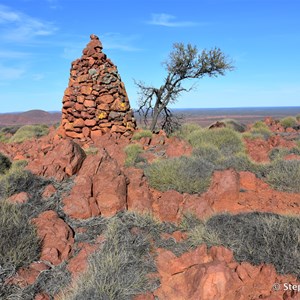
{"x": 183, "y": 174}
{"x": 141, "y": 134}
{"x": 28, "y": 132}
{"x": 209, "y": 153}
{"x": 186, "y": 129}
{"x": 284, "y": 175}
{"x": 298, "y": 118}
{"x": 257, "y": 238}
{"x": 228, "y": 141}
{"x": 260, "y": 125}
{"x": 280, "y": 153}
{"x": 234, "y": 125}
{"x": 5, "y": 163}
{"x": 132, "y": 154}
{"x": 119, "y": 269}
{"x": 288, "y": 122}
{"x": 19, "y": 244}
{"x": 16, "y": 180}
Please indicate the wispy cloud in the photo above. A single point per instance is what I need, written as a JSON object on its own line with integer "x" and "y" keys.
{"x": 11, "y": 73}
{"x": 17, "y": 26}
{"x": 12, "y": 54}
{"x": 170, "y": 21}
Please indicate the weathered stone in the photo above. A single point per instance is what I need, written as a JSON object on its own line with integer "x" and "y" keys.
{"x": 95, "y": 82}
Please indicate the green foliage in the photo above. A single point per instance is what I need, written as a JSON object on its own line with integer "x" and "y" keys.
{"x": 284, "y": 175}
{"x": 186, "y": 129}
{"x": 298, "y": 118}
{"x": 234, "y": 125}
{"x": 28, "y": 132}
{"x": 228, "y": 141}
{"x": 183, "y": 174}
{"x": 132, "y": 154}
{"x": 16, "y": 180}
{"x": 256, "y": 238}
{"x": 288, "y": 122}
{"x": 119, "y": 269}
{"x": 5, "y": 163}
{"x": 141, "y": 134}
{"x": 19, "y": 244}
{"x": 259, "y": 130}
{"x": 280, "y": 153}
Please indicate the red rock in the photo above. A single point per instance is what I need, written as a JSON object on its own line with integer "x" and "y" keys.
{"x": 166, "y": 206}
{"x": 86, "y": 90}
{"x": 89, "y": 103}
{"x": 42, "y": 296}
{"x": 100, "y": 188}
{"x": 86, "y": 131}
{"x": 147, "y": 296}
{"x": 139, "y": 197}
{"x": 95, "y": 134}
{"x": 64, "y": 160}
{"x": 106, "y": 99}
{"x": 90, "y": 123}
{"x": 118, "y": 128}
{"x": 225, "y": 190}
{"x": 74, "y": 135}
{"x": 79, "y": 123}
{"x": 49, "y": 190}
{"x": 94, "y": 82}
{"x": 57, "y": 237}
{"x": 197, "y": 205}
{"x": 177, "y": 147}
{"x": 78, "y": 264}
{"x": 19, "y": 198}
{"x": 248, "y": 181}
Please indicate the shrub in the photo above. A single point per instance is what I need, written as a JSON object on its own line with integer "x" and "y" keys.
{"x": 279, "y": 153}
{"x": 186, "y": 129}
{"x": 288, "y": 122}
{"x": 132, "y": 154}
{"x": 183, "y": 174}
{"x": 260, "y": 125}
{"x": 226, "y": 140}
{"x": 119, "y": 269}
{"x": 298, "y": 118}
{"x": 258, "y": 238}
{"x": 19, "y": 244}
{"x": 141, "y": 134}
{"x": 209, "y": 153}
{"x": 16, "y": 180}
{"x": 29, "y": 131}
{"x": 5, "y": 163}
{"x": 234, "y": 125}
{"x": 285, "y": 175}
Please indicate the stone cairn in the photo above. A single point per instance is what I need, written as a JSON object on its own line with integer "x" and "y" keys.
{"x": 95, "y": 101}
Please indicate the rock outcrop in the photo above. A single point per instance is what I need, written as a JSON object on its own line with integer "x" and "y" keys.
{"x": 95, "y": 101}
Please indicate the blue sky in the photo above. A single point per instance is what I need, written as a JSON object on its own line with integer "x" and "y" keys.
{"x": 40, "y": 39}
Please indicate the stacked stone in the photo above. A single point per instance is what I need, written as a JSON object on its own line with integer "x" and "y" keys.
{"x": 95, "y": 101}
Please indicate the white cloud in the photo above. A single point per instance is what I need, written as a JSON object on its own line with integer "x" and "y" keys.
{"x": 170, "y": 21}
{"x": 19, "y": 27}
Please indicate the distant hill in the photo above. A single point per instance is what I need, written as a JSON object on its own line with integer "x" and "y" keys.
{"x": 30, "y": 117}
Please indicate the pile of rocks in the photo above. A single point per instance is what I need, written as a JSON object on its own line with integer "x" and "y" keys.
{"x": 95, "y": 101}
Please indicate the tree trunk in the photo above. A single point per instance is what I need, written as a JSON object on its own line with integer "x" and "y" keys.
{"x": 156, "y": 112}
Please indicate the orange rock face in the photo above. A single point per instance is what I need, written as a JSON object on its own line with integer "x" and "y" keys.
{"x": 95, "y": 97}
{"x": 63, "y": 161}
{"x": 100, "y": 188}
{"x": 213, "y": 274}
{"x": 57, "y": 237}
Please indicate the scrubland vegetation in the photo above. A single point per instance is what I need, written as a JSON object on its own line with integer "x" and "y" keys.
{"x": 124, "y": 264}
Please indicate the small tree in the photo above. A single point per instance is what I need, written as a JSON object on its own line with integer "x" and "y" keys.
{"x": 184, "y": 63}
